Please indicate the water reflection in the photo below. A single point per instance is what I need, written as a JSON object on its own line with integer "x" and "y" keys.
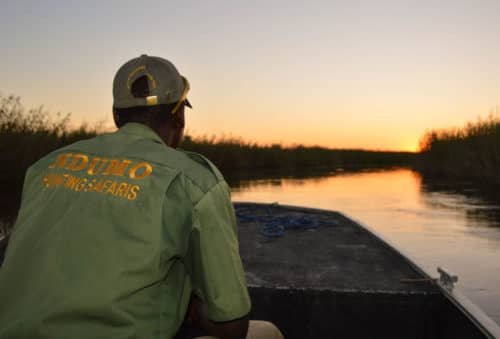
{"x": 242, "y": 180}
{"x": 480, "y": 203}
{"x": 451, "y": 224}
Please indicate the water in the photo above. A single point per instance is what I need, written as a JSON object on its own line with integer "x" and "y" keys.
{"x": 453, "y": 225}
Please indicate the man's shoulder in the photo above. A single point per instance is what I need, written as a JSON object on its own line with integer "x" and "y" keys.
{"x": 205, "y": 163}
{"x": 49, "y": 158}
{"x": 201, "y": 171}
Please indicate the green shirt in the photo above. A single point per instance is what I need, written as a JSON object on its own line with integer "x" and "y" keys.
{"x": 113, "y": 235}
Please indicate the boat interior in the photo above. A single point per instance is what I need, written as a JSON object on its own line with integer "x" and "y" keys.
{"x": 319, "y": 274}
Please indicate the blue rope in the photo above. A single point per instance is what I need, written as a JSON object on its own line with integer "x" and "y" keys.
{"x": 274, "y": 226}
{"x": 272, "y": 230}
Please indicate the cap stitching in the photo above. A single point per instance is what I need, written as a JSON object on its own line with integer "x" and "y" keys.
{"x": 137, "y": 69}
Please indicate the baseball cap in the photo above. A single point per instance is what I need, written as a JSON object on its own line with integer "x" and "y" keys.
{"x": 164, "y": 84}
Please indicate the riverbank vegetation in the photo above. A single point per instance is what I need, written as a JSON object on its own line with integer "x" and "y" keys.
{"x": 231, "y": 154}
{"x": 469, "y": 152}
{"x": 27, "y": 135}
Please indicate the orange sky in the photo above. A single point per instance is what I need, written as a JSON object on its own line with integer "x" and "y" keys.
{"x": 365, "y": 74}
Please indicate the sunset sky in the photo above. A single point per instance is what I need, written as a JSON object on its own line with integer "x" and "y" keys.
{"x": 344, "y": 74}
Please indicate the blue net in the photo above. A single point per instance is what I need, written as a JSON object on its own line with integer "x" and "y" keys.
{"x": 274, "y": 226}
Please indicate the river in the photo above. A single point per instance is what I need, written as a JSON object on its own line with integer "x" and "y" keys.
{"x": 453, "y": 224}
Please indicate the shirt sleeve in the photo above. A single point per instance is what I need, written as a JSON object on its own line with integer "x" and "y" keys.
{"x": 216, "y": 270}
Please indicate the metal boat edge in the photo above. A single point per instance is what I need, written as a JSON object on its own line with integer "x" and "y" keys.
{"x": 487, "y": 326}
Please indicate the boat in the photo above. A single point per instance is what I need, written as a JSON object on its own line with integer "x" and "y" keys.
{"x": 320, "y": 274}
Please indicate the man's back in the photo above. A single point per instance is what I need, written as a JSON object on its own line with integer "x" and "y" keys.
{"x": 113, "y": 235}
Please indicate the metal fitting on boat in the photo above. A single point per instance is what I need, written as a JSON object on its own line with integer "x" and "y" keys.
{"x": 447, "y": 279}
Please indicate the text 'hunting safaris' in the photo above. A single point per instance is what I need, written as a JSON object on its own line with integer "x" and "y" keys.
{"x": 86, "y": 168}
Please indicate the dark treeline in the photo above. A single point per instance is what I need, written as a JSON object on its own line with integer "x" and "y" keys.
{"x": 231, "y": 154}
{"x": 27, "y": 135}
{"x": 469, "y": 152}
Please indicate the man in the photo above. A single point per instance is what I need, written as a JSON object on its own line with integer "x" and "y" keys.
{"x": 122, "y": 235}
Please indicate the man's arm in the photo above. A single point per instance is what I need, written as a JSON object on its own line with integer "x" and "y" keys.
{"x": 215, "y": 267}
{"x": 197, "y": 317}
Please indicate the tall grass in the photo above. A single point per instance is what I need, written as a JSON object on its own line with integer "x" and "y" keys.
{"x": 472, "y": 151}
{"x": 26, "y": 136}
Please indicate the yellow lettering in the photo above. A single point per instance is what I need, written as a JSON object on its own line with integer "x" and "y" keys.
{"x": 81, "y": 184}
{"x": 121, "y": 189}
{"x": 58, "y": 180}
{"x": 106, "y": 184}
{"x": 101, "y": 166}
{"x": 116, "y": 167}
{"x": 111, "y": 189}
{"x": 99, "y": 187}
{"x": 143, "y": 168}
{"x": 60, "y": 160}
{"x": 70, "y": 181}
{"x": 90, "y": 169}
{"x": 52, "y": 180}
{"x": 47, "y": 180}
{"x": 85, "y": 184}
{"x": 78, "y": 163}
{"x": 133, "y": 192}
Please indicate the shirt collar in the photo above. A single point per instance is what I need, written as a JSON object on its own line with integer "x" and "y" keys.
{"x": 142, "y": 130}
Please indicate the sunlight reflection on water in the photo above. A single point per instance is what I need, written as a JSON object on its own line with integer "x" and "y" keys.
{"x": 459, "y": 230}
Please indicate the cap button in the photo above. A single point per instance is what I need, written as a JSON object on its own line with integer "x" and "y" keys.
{"x": 143, "y": 55}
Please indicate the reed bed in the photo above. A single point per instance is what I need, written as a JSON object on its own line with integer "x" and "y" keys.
{"x": 234, "y": 154}
{"x": 26, "y": 136}
{"x": 471, "y": 151}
